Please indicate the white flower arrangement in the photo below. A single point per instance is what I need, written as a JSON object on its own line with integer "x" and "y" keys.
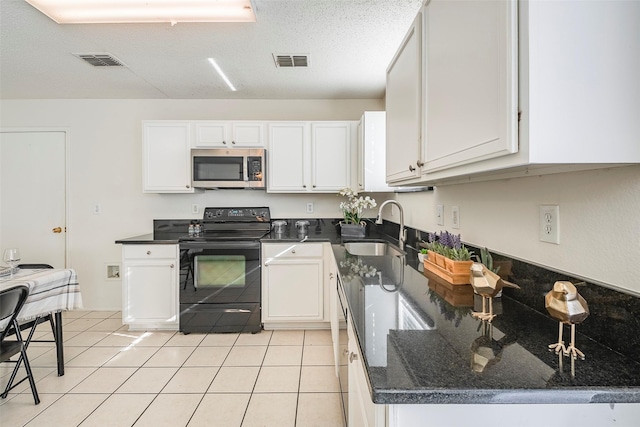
{"x": 353, "y": 207}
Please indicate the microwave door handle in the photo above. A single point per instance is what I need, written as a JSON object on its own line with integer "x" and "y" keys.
{"x": 246, "y": 169}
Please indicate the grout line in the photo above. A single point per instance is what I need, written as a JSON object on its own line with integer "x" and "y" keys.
{"x": 137, "y": 367}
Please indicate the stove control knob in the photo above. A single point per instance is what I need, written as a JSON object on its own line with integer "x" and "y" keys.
{"x": 219, "y": 212}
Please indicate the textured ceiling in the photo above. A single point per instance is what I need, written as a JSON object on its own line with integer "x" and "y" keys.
{"x": 349, "y": 43}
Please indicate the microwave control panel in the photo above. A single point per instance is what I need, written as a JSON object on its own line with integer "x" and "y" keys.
{"x": 254, "y": 168}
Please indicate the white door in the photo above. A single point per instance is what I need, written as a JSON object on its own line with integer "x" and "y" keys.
{"x": 33, "y": 195}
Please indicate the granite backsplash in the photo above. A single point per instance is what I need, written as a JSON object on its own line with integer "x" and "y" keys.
{"x": 614, "y": 319}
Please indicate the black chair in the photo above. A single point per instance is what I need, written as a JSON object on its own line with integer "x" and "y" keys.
{"x": 41, "y": 319}
{"x": 11, "y": 302}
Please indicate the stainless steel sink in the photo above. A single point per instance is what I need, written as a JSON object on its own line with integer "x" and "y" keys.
{"x": 369, "y": 248}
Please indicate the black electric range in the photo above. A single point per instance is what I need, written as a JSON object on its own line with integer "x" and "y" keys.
{"x": 220, "y": 277}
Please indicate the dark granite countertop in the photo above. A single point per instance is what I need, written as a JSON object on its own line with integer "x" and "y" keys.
{"x": 424, "y": 343}
{"x": 320, "y": 230}
{"x": 421, "y": 344}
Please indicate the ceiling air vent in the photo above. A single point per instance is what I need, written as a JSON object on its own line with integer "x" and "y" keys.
{"x": 284, "y": 60}
{"x": 100, "y": 59}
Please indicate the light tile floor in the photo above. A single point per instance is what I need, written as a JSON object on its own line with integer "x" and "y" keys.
{"x": 114, "y": 377}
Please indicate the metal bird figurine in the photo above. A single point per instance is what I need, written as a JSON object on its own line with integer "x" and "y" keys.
{"x": 565, "y": 304}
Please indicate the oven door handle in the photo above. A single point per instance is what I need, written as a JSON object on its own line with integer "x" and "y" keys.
{"x": 221, "y": 245}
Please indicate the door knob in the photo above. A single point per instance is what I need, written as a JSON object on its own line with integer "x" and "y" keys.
{"x": 57, "y": 230}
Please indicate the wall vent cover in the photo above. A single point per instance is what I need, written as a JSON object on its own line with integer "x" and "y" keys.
{"x": 100, "y": 59}
{"x": 291, "y": 60}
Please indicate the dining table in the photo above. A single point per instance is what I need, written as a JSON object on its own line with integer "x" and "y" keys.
{"x": 51, "y": 291}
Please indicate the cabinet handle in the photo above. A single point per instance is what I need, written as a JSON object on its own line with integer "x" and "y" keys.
{"x": 233, "y": 143}
{"x": 304, "y": 186}
{"x": 345, "y": 352}
{"x": 352, "y": 357}
{"x": 293, "y": 251}
{"x": 224, "y": 142}
{"x": 411, "y": 168}
{"x": 172, "y": 266}
{"x": 330, "y": 275}
{"x": 188, "y": 186}
{"x": 420, "y": 163}
{"x": 148, "y": 252}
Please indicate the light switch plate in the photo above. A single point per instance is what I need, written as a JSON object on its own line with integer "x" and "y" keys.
{"x": 455, "y": 217}
{"x": 440, "y": 214}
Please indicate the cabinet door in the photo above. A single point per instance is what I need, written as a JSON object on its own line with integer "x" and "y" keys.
{"x": 293, "y": 290}
{"x": 330, "y": 156}
{"x": 287, "y": 157}
{"x": 403, "y": 105}
{"x": 247, "y": 134}
{"x": 213, "y": 134}
{"x": 470, "y": 81}
{"x": 362, "y": 411}
{"x": 335, "y": 312}
{"x": 166, "y": 157}
{"x": 372, "y": 152}
{"x": 150, "y": 292}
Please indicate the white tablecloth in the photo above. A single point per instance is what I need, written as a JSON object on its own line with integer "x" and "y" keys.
{"x": 50, "y": 291}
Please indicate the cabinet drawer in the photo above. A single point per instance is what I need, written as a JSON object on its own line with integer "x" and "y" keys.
{"x": 292, "y": 250}
{"x": 150, "y": 251}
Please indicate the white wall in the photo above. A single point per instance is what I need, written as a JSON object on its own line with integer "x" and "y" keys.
{"x": 599, "y": 220}
{"x": 599, "y": 210}
{"x": 106, "y": 168}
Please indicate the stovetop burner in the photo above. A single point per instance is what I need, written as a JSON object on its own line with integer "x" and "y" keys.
{"x": 232, "y": 224}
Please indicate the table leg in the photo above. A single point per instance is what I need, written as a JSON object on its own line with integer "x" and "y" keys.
{"x": 59, "y": 340}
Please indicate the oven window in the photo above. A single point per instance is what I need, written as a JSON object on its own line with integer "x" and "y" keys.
{"x": 226, "y": 271}
{"x": 218, "y": 168}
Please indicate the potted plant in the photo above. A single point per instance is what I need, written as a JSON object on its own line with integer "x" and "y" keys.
{"x": 448, "y": 257}
{"x": 422, "y": 255}
{"x": 352, "y": 224}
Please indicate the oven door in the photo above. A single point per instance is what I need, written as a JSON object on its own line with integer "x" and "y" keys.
{"x": 220, "y": 287}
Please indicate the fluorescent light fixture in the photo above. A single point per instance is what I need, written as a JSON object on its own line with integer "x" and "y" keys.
{"x": 145, "y": 11}
{"x": 224, "y": 77}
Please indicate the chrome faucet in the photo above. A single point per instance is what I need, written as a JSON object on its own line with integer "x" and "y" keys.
{"x": 402, "y": 238}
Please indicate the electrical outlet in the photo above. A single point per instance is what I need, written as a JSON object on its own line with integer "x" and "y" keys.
{"x": 440, "y": 214}
{"x": 455, "y": 217}
{"x": 195, "y": 208}
{"x": 97, "y": 209}
{"x": 549, "y": 229}
{"x": 310, "y": 207}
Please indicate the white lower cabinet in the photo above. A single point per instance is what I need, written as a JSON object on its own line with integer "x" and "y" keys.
{"x": 362, "y": 411}
{"x": 150, "y": 286}
{"x": 293, "y": 291}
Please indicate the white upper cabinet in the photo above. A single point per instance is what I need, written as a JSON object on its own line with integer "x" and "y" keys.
{"x": 469, "y": 82}
{"x": 166, "y": 157}
{"x": 331, "y": 155}
{"x": 226, "y": 134}
{"x": 309, "y": 156}
{"x": 287, "y": 155}
{"x": 512, "y": 88}
{"x": 403, "y": 106}
{"x": 371, "y": 156}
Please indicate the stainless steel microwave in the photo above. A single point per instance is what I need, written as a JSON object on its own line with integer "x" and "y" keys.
{"x": 228, "y": 168}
